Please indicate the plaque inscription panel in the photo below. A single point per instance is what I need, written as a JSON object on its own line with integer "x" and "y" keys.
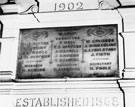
{"x": 74, "y": 52}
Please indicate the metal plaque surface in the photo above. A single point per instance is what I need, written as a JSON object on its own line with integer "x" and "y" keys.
{"x": 74, "y": 52}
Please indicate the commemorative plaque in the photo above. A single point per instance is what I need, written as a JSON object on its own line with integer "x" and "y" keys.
{"x": 74, "y": 52}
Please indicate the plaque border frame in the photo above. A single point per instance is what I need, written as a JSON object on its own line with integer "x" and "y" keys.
{"x": 45, "y": 78}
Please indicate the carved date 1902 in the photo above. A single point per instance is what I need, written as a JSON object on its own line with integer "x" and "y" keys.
{"x": 68, "y": 6}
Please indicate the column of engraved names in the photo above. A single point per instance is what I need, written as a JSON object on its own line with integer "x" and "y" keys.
{"x": 67, "y": 54}
{"x": 35, "y": 53}
{"x": 38, "y": 56}
{"x": 100, "y": 47}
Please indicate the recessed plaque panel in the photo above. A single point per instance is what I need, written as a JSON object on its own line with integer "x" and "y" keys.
{"x": 74, "y": 52}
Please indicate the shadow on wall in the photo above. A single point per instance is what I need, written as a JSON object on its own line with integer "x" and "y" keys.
{"x": 3, "y": 1}
{"x": 1, "y": 29}
{"x": 1, "y": 11}
{"x": 7, "y": 1}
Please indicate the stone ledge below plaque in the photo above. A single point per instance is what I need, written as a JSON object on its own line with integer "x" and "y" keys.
{"x": 60, "y": 87}
{"x": 6, "y": 88}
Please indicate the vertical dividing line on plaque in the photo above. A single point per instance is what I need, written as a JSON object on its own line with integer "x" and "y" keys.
{"x": 82, "y": 50}
{"x": 51, "y": 51}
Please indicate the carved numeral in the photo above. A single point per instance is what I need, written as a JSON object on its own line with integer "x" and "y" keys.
{"x": 68, "y": 6}
{"x": 79, "y": 5}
